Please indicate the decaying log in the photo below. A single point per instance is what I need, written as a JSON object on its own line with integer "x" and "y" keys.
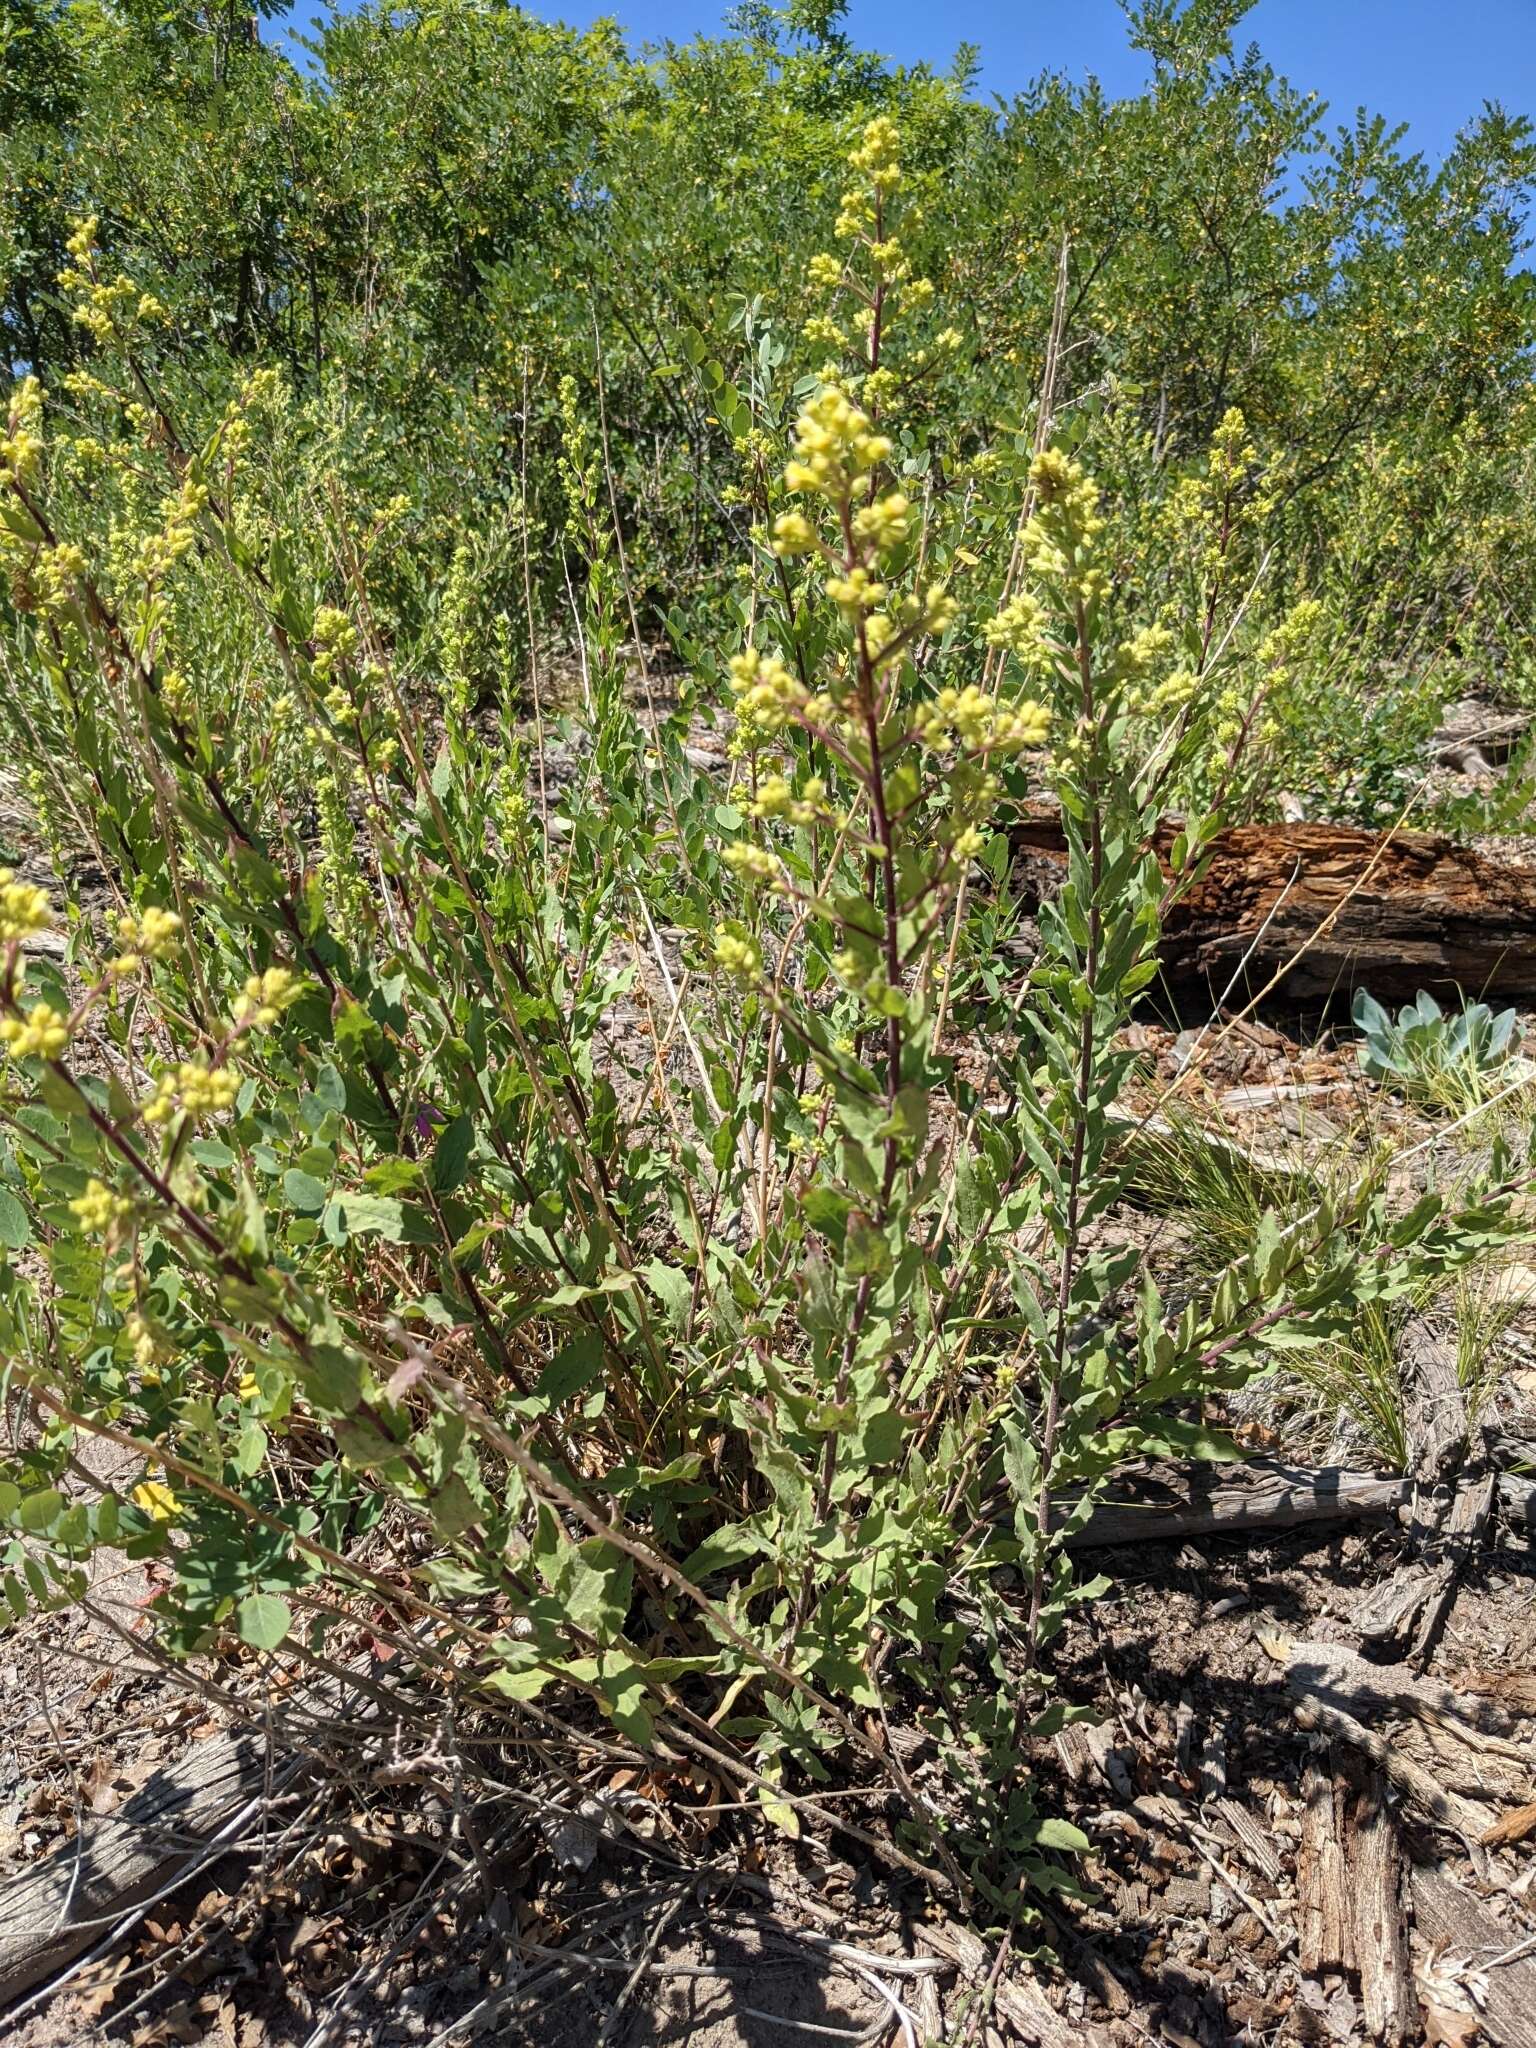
{"x": 1380, "y": 1940}
{"x": 1433, "y": 1799}
{"x": 67, "y": 1902}
{"x": 1448, "y": 1917}
{"x": 1390, "y": 912}
{"x": 1218, "y": 1500}
{"x": 1325, "y": 1927}
{"x": 1349, "y": 1890}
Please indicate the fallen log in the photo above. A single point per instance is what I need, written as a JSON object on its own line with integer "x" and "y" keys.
{"x": 1390, "y": 2008}
{"x": 1333, "y": 907}
{"x": 1173, "y": 1502}
{"x": 73, "y": 1900}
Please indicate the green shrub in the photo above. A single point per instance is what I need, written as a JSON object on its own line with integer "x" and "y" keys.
{"x": 690, "y": 1378}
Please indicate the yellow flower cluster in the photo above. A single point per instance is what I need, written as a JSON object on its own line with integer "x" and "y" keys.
{"x": 1058, "y": 541}
{"x": 856, "y": 592}
{"x": 1279, "y": 649}
{"x": 738, "y": 954}
{"x": 144, "y": 1344}
{"x": 982, "y": 724}
{"x": 160, "y": 551}
{"x": 103, "y": 309}
{"x": 195, "y": 1088}
{"x": 23, "y": 908}
{"x": 1021, "y": 627}
{"x": 768, "y": 695}
{"x": 1155, "y": 699}
{"x": 875, "y": 158}
{"x": 776, "y": 799}
{"x": 175, "y": 692}
{"x": 823, "y": 332}
{"x": 335, "y": 639}
{"x": 886, "y": 522}
{"x": 1232, "y": 453}
{"x": 149, "y": 936}
{"x": 98, "y": 1208}
{"x": 751, "y": 862}
{"x": 21, "y": 445}
{"x": 265, "y": 998}
{"x": 835, "y": 445}
{"x": 42, "y": 1034}
{"x": 793, "y": 534}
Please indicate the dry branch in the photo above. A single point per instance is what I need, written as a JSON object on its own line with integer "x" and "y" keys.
{"x": 1176, "y": 1501}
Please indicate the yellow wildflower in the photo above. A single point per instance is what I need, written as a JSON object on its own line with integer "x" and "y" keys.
{"x": 195, "y": 1088}
{"x": 738, "y": 953}
{"x": 21, "y": 445}
{"x": 41, "y": 1034}
{"x": 835, "y": 445}
{"x": 23, "y": 908}
{"x": 99, "y": 1208}
{"x": 266, "y": 996}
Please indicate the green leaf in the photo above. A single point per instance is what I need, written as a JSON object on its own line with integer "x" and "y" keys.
{"x": 390, "y": 1176}
{"x": 573, "y": 1367}
{"x": 451, "y": 1154}
{"x": 780, "y": 1813}
{"x": 1055, "y": 1833}
{"x": 305, "y": 1192}
{"x": 673, "y": 1289}
{"x": 15, "y": 1226}
{"x": 729, "y": 1545}
{"x": 357, "y": 1215}
{"x": 263, "y": 1620}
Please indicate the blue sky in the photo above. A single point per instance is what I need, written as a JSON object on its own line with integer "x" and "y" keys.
{"x": 1419, "y": 61}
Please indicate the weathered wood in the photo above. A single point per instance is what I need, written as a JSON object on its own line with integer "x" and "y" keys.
{"x": 1324, "y": 1927}
{"x": 1335, "y": 1673}
{"x": 1220, "y": 1500}
{"x": 1020, "y": 2000}
{"x": 1453, "y": 1501}
{"x": 1391, "y": 912}
{"x": 1434, "y": 1800}
{"x": 66, "y": 1902}
{"x": 1517, "y": 1505}
{"x": 1379, "y": 1934}
{"x": 1434, "y": 1406}
{"x": 1447, "y": 1916}
{"x": 1404, "y": 1617}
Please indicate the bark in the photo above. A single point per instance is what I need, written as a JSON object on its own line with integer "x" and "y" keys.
{"x": 1390, "y": 912}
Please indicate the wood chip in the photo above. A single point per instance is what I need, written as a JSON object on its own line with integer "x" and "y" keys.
{"x": 1513, "y": 1827}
